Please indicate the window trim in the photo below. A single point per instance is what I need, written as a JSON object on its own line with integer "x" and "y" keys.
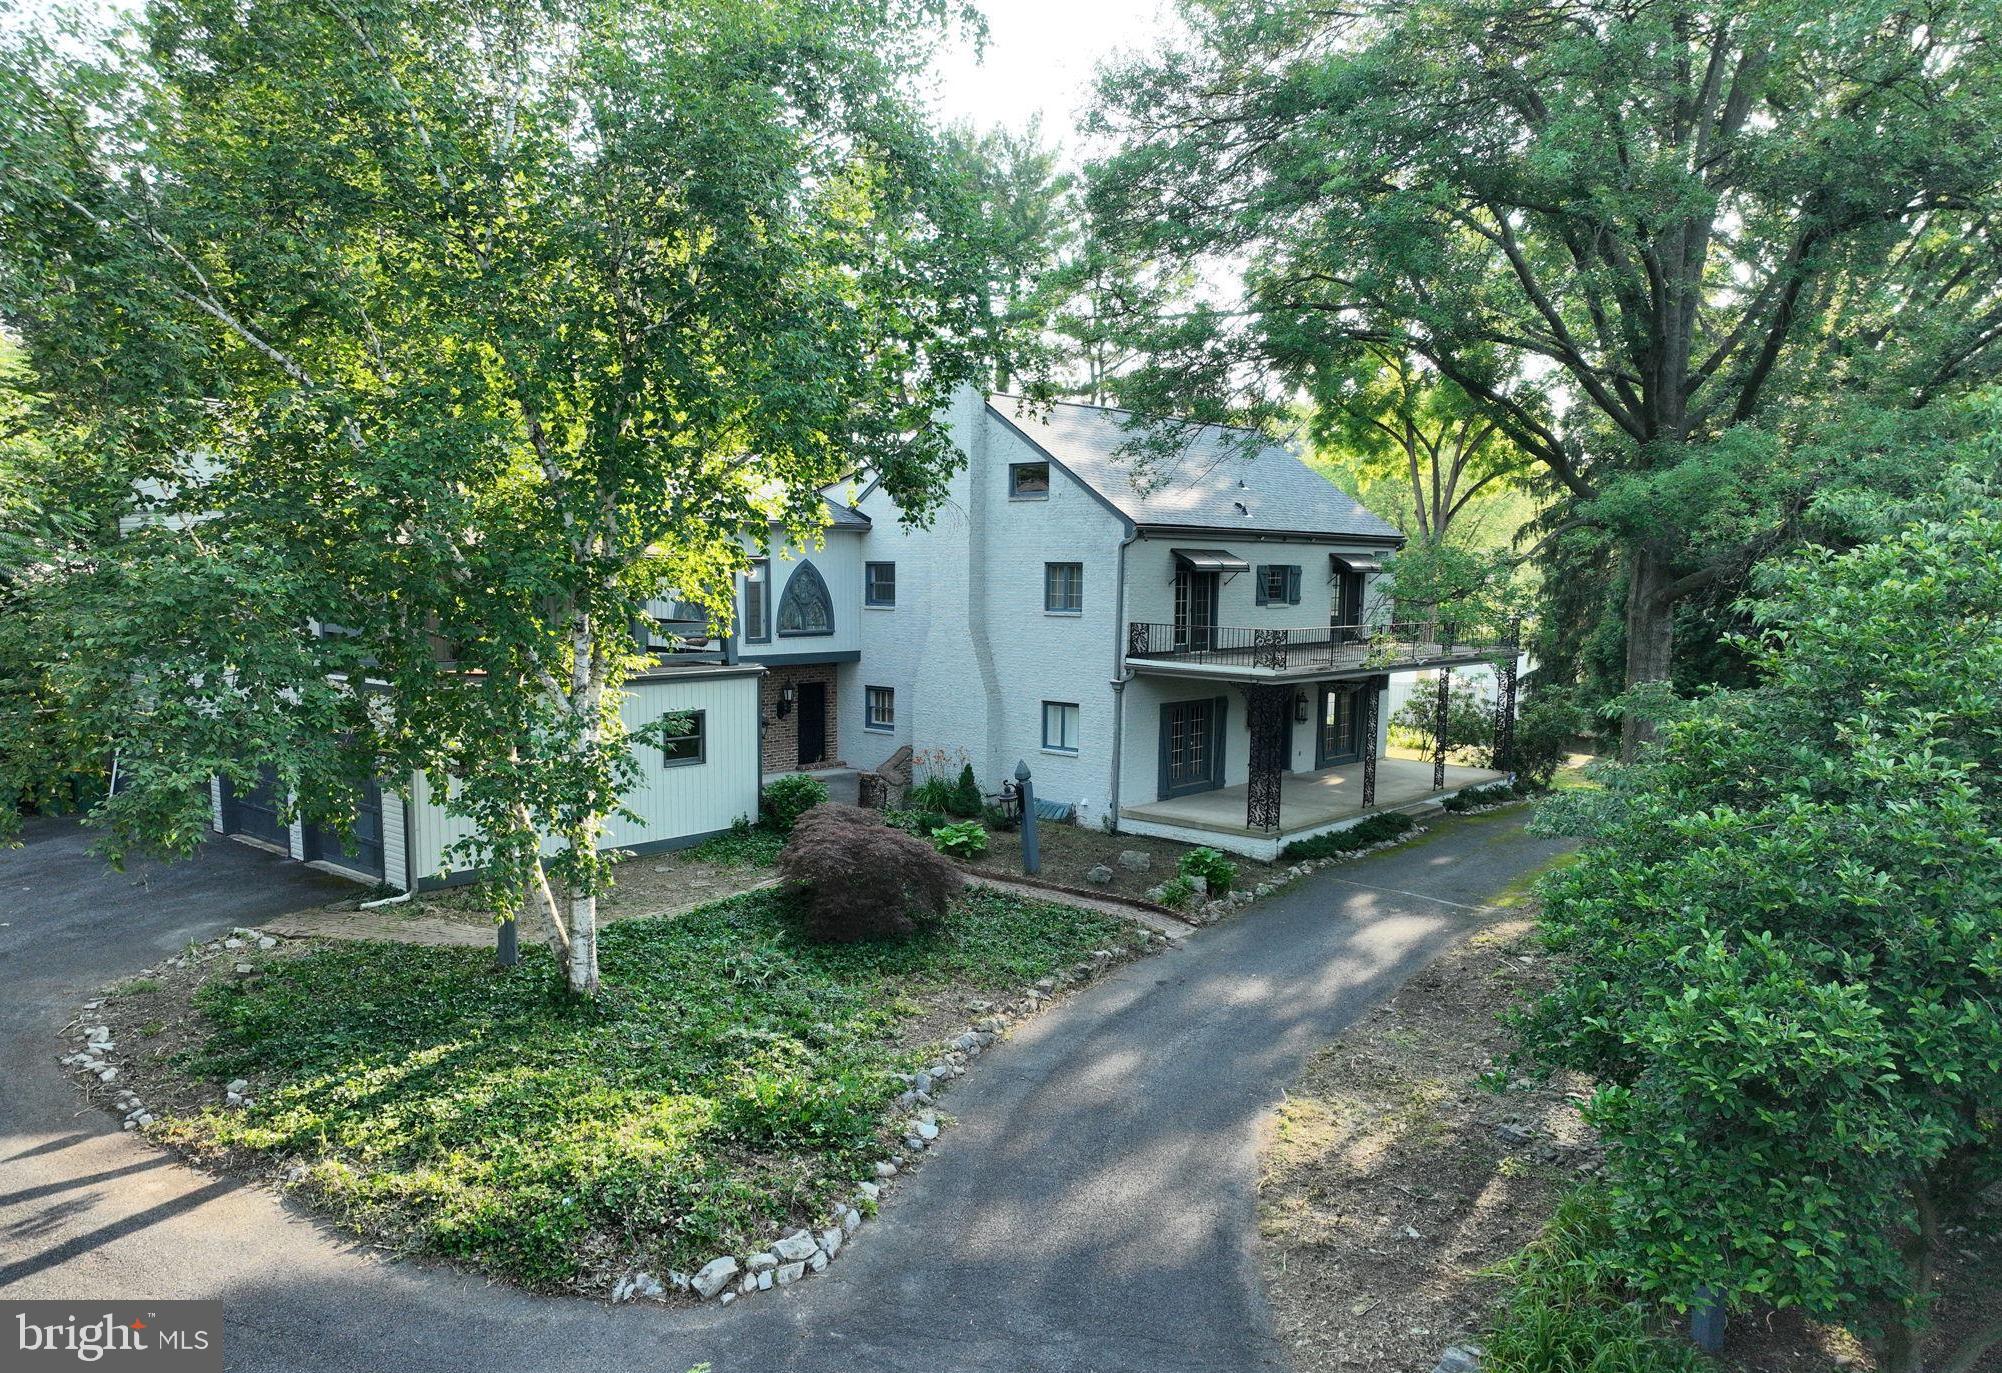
{"x": 1077, "y": 722}
{"x": 869, "y": 710}
{"x": 700, "y": 734}
{"x": 1014, "y": 494}
{"x": 761, "y": 632}
{"x": 869, "y": 597}
{"x": 1049, "y": 586}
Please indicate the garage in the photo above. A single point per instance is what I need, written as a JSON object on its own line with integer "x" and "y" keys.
{"x": 254, "y": 812}
{"x": 359, "y": 850}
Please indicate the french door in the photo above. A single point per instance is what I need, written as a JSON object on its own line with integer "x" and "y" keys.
{"x": 1191, "y": 746}
{"x": 1340, "y": 725}
{"x": 1195, "y": 610}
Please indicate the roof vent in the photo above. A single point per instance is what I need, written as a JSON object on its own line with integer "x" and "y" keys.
{"x": 1240, "y": 507}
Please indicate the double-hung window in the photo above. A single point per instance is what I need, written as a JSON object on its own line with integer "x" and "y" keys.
{"x": 879, "y": 584}
{"x": 879, "y": 708}
{"x": 1063, "y": 588}
{"x": 687, "y": 740}
{"x": 1278, "y": 584}
{"x": 1060, "y": 726}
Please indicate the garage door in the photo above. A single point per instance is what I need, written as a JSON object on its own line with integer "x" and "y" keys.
{"x": 254, "y": 810}
{"x": 358, "y": 851}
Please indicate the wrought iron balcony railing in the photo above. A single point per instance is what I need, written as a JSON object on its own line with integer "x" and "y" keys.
{"x": 1320, "y": 647}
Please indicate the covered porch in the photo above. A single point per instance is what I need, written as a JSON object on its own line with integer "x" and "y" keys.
{"x": 1309, "y": 803}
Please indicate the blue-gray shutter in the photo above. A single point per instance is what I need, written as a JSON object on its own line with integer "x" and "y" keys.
{"x": 1258, "y": 585}
{"x": 1292, "y": 586}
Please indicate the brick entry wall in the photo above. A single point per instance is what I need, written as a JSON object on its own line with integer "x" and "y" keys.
{"x": 782, "y": 735}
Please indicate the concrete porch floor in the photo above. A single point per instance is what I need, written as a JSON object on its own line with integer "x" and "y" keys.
{"x": 1312, "y": 800}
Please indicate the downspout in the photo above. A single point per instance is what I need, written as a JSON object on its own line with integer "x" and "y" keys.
{"x": 1121, "y": 674}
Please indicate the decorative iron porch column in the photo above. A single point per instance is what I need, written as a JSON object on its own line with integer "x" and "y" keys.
{"x": 1371, "y": 693}
{"x": 1504, "y": 759}
{"x": 1266, "y": 709}
{"x": 1439, "y": 730}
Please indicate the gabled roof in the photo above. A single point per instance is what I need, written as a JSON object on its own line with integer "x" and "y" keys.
{"x": 1215, "y": 481}
{"x": 842, "y": 516}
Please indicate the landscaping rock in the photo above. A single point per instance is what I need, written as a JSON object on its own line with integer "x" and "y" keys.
{"x": 748, "y": 1284}
{"x": 830, "y": 1240}
{"x": 886, "y": 1169}
{"x": 761, "y": 1263}
{"x": 1459, "y": 1358}
{"x": 921, "y": 1083}
{"x": 869, "y": 1190}
{"x": 1101, "y": 875}
{"x": 818, "y": 1263}
{"x": 1135, "y": 860}
{"x": 713, "y": 1277}
{"x": 238, "y": 1087}
{"x": 851, "y": 1221}
{"x": 728, "y": 1297}
{"x": 765, "y": 1282}
{"x": 795, "y": 1248}
{"x": 927, "y": 1130}
{"x": 786, "y": 1274}
{"x": 1201, "y": 885}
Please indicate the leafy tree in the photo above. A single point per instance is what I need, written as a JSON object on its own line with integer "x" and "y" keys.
{"x": 1392, "y": 420}
{"x": 1665, "y": 221}
{"x": 1782, "y": 950}
{"x": 456, "y": 335}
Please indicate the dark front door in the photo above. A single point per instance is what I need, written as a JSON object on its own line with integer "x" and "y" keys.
{"x": 812, "y": 709}
{"x": 1348, "y": 607}
{"x": 358, "y": 851}
{"x": 1195, "y": 610}
{"x": 254, "y": 810}
{"x": 1341, "y": 717}
{"x": 1191, "y": 747}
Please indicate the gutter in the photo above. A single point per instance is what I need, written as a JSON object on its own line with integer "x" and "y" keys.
{"x": 1121, "y": 674}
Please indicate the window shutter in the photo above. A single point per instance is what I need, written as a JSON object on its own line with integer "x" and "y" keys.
{"x": 1258, "y": 586}
{"x": 1292, "y": 586}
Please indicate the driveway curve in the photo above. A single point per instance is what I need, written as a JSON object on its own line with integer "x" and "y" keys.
{"x": 1092, "y": 1212}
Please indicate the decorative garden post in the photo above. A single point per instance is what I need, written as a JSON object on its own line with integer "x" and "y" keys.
{"x": 1370, "y": 694}
{"x": 507, "y": 949}
{"x": 1032, "y": 861}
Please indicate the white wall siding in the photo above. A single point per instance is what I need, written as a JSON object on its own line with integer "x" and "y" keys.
{"x": 969, "y": 649}
{"x": 1150, "y": 575}
{"x": 215, "y": 803}
{"x": 673, "y": 803}
{"x": 395, "y": 854}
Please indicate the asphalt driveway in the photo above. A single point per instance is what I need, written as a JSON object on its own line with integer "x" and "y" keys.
{"x": 1091, "y": 1213}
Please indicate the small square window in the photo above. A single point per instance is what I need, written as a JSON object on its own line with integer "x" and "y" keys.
{"x": 687, "y": 740}
{"x": 1063, "y": 588}
{"x": 879, "y": 708}
{"x": 1060, "y": 726}
{"x": 879, "y": 583}
{"x": 1028, "y": 481}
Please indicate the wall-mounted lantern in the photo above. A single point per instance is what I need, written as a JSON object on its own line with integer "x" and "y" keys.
{"x": 1299, "y": 707}
{"x": 786, "y": 696}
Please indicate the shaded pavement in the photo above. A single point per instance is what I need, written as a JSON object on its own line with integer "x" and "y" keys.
{"x": 1093, "y": 1210}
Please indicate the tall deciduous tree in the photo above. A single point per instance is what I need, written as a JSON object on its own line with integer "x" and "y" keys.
{"x": 1782, "y": 949}
{"x": 488, "y": 323}
{"x": 1689, "y": 216}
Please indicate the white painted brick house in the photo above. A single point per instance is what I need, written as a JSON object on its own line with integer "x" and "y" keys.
{"x": 1205, "y": 656}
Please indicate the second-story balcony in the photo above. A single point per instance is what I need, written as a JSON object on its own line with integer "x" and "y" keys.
{"x": 1319, "y": 651}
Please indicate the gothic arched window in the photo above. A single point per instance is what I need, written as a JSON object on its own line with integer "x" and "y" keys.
{"x": 805, "y": 608}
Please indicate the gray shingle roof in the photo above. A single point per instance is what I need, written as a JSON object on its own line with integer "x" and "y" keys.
{"x": 846, "y": 516}
{"x": 1215, "y": 481}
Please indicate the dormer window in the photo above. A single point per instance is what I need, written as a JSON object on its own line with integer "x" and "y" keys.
{"x": 1028, "y": 481}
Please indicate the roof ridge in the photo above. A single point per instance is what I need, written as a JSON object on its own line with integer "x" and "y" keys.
{"x": 1127, "y": 410}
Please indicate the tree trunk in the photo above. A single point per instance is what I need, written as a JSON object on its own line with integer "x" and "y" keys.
{"x": 1650, "y": 635}
{"x": 1905, "y": 1340}
{"x": 582, "y": 966}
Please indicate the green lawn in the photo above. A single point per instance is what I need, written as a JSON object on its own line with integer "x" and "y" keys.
{"x": 732, "y": 1076}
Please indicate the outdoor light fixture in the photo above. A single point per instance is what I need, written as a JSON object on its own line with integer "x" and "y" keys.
{"x": 1299, "y": 707}
{"x": 786, "y": 695}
